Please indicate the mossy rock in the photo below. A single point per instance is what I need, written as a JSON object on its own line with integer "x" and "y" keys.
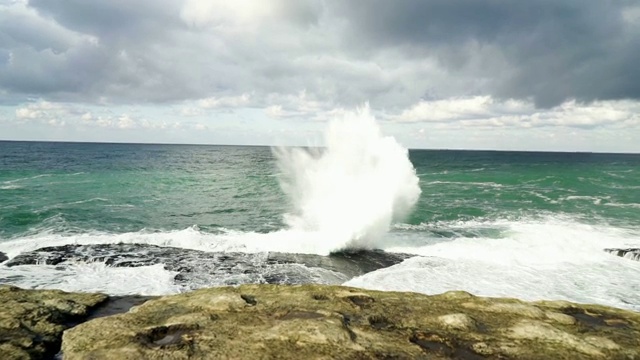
{"x": 32, "y": 321}
{"x": 334, "y": 322}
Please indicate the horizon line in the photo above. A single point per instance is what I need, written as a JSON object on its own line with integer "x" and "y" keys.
{"x": 307, "y": 146}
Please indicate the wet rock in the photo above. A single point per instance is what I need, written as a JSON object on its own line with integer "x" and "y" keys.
{"x": 633, "y": 254}
{"x": 319, "y": 321}
{"x": 198, "y": 269}
{"x": 3, "y": 257}
{"x": 32, "y": 321}
{"x": 117, "y": 305}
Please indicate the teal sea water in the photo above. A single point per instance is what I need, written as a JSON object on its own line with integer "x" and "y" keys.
{"x": 523, "y": 224}
{"x": 69, "y": 188}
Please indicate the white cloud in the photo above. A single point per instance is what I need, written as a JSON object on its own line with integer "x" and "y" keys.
{"x": 460, "y": 109}
{"x": 225, "y": 102}
{"x": 40, "y": 110}
{"x": 484, "y": 111}
{"x": 220, "y": 12}
{"x": 243, "y": 15}
{"x": 125, "y": 122}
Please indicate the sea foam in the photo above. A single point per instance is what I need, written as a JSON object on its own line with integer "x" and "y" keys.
{"x": 350, "y": 192}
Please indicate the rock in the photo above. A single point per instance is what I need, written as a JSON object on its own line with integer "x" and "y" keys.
{"x": 633, "y": 254}
{"x": 3, "y": 257}
{"x": 320, "y": 321}
{"x": 458, "y": 322}
{"x": 197, "y": 269}
{"x": 117, "y": 305}
{"x": 32, "y": 321}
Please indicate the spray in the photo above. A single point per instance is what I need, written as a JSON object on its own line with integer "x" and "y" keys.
{"x": 350, "y": 192}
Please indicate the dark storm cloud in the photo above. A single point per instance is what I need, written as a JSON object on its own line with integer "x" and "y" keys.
{"x": 581, "y": 49}
{"x": 85, "y": 51}
{"x": 139, "y": 20}
{"x": 392, "y": 53}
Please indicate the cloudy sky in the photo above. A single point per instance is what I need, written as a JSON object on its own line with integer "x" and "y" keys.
{"x": 464, "y": 74}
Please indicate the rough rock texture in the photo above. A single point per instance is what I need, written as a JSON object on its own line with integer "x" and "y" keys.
{"x": 333, "y": 322}
{"x": 633, "y": 254}
{"x": 197, "y": 269}
{"x": 32, "y": 321}
{"x": 3, "y": 257}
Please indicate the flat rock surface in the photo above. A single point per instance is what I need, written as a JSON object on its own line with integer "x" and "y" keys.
{"x": 32, "y": 321}
{"x": 334, "y": 322}
{"x": 197, "y": 269}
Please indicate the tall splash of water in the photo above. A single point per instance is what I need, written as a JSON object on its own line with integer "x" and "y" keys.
{"x": 350, "y": 192}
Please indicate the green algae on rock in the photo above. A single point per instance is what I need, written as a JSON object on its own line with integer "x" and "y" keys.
{"x": 32, "y": 321}
{"x": 334, "y": 322}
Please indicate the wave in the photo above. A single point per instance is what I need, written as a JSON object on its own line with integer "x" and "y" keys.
{"x": 548, "y": 257}
{"x": 11, "y": 187}
{"x": 292, "y": 241}
{"x": 94, "y": 277}
{"x": 596, "y": 200}
{"x": 533, "y": 259}
{"x": 87, "y": 201}
{"x": 546, "y": 239}
{"x": 26, "y": 178}
{"x": 630, "y": 205}
{"x": 485, "y": 184}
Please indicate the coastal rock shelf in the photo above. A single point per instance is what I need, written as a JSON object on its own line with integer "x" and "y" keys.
{"x": 334, "y": 322}
{"x": 32, "y": 321}
{"x": 633, "y": 254}
{"x": 197, "y": 269}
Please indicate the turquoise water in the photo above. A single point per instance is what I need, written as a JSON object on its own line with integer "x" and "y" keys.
{"x": 75, "y": 187}
{"x": 494, "y": 223}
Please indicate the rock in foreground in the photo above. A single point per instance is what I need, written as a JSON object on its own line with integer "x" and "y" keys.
{"x": 333, "y": 322}
{"x": 32, "y": 321}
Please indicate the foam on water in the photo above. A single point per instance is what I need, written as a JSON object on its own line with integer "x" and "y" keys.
{"x": 350, "y": 192}
{"x": 533, "y": 241}
{"x": 94, "y": 277}
{"x": 550, "y": 258}
{"x": 553, "y": 257}
{"x": 293, "y": 241}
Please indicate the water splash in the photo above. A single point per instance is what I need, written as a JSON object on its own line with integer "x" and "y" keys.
{"x": 352, "y": 190}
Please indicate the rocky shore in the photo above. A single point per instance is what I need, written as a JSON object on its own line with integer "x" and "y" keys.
{"x": 308, "y": 321}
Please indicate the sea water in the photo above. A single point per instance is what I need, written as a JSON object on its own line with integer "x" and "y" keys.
{"x": 517, "y": 224}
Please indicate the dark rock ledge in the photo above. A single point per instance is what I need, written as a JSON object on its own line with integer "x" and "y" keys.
{"x": 313, "y": 321}
{"x": 197, "y": 269}
{"x": 633, "y": 254}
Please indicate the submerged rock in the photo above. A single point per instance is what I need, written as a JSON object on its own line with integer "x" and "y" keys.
{"x": 317, "y": 321}
{"x": 198, "y": 269}
{"x": 633, "y": 254}
{"x": 32, "y": 321}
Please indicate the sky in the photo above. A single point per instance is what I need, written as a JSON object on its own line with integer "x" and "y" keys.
{"x": 550, "y": 75}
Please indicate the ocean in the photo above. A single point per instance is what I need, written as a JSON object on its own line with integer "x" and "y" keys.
{"x": 161, "y": 219}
